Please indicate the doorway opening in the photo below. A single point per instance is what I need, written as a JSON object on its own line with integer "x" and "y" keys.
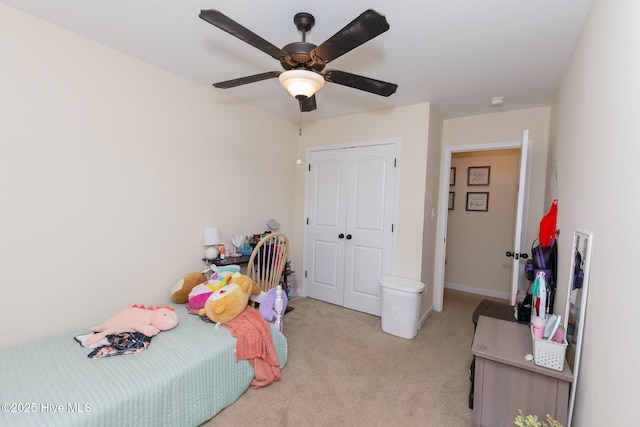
{"x": 481, "y": 221}
{"x": 524, "y": 148}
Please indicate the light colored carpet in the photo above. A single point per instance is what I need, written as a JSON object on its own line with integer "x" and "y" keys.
{"x": 343, "y": 370}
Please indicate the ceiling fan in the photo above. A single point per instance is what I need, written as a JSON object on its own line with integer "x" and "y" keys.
{"x": 304, "y": 62}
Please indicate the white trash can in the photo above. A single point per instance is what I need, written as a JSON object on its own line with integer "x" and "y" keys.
{"x": 400, "y": 299}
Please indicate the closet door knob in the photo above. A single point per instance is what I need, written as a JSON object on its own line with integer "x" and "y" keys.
{"x": 340, "y": 236}
{"x": 348, "y": 236}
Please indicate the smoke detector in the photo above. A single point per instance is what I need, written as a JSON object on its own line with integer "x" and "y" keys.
{"x": 497, "y": 101}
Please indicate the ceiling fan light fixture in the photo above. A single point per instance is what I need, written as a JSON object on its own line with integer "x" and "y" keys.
{"x": 301, "y": 83}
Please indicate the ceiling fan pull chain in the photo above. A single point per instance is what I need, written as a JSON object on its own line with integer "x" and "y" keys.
{"x": 300, "y": 124}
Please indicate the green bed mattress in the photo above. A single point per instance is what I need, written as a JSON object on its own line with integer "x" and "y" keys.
{"x": 184, "y": 377}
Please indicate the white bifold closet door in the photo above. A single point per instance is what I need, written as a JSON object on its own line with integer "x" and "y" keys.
{"x": 350, "y": 230}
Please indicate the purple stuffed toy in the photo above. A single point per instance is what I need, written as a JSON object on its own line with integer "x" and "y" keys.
{"x": 267, "y": 305}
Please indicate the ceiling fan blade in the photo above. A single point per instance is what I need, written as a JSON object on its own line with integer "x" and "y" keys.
{"x": 225, "y": 23}
{"x": 248, "y": 79}
{"x": 359, "y": 82}
{"x": 308, "y": 104}
{"x": 362, "y": 29}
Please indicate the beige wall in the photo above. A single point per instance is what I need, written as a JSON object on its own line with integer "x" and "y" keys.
{"x": 594, "y": 150}
{"x": 410, "y": 125}
{"x": 477, "y": 241}
{"x": 110, "y": 169}
{"x": 508, "y": 126}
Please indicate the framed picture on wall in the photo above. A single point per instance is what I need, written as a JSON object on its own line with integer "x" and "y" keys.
{"x": 478, "y": 202}
{"x": 478, "y": 175}
{"x": 452, "y": 176}
{"x": 452, "y": 196}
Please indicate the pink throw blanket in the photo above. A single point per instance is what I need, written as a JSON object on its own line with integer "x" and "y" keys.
{"x": 255, "y": 343}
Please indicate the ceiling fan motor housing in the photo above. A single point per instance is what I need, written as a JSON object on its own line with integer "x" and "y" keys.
{"x": 299, "y": 56}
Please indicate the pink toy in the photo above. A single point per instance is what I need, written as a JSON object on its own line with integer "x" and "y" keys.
{"x": 148, "y": 321}
{"x": 201, "y": 293}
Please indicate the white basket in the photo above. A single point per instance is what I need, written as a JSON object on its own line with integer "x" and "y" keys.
{"x": 548, "y": 354}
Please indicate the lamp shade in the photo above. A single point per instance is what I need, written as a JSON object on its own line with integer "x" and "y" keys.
{"x": 301, "y": 82}
{"x": 211, "y": 236}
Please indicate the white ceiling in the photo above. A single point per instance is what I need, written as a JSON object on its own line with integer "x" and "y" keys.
{"x": 456, "y": 54}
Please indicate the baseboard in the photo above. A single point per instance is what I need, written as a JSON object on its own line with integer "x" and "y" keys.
{"x": 478, "y": 291}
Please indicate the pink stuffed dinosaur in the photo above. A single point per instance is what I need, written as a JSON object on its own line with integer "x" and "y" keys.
{"x": 148, "y": 321}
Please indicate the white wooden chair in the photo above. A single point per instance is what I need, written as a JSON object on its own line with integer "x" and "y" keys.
{"x": 268, "y": 260}
{"x": 266, "y": 264}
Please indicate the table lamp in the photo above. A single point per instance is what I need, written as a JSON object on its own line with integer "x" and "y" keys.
{"x": 211, "y": 239}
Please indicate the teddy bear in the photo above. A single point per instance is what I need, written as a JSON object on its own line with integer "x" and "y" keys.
{"x": 201, "y": 293}
{"x": 218, "y": 277}
{"x": 228, "y": 302}
{"x": 146, "y": 320}
{"x": 180, "y": 291}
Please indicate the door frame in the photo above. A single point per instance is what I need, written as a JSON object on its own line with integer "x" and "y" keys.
{"x": 396, "y": 199}
{"x": 441, "y": 245}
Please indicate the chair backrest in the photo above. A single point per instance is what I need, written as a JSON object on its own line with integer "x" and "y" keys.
{"x": 268, "y": 260}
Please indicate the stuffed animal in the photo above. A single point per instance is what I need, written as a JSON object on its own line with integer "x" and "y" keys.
{"x": 180, "y": 291}
{"x": 267, "y": 305}
{"x": 148, "y": 321}
{"x": 218, "y": 277}
{"x": 201, "y": 293}
{"x": 228, "y": 302}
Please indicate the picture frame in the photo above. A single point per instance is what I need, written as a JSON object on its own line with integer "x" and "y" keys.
{"x": 452, "y": 197}
{"x": 478, "y": 175}
{"x": 452, "y": 177}
{"x": 478, "y": 201}
{"x": 576, "y": 308}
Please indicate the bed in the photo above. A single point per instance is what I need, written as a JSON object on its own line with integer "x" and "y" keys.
{"x": 185, "y": 376}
